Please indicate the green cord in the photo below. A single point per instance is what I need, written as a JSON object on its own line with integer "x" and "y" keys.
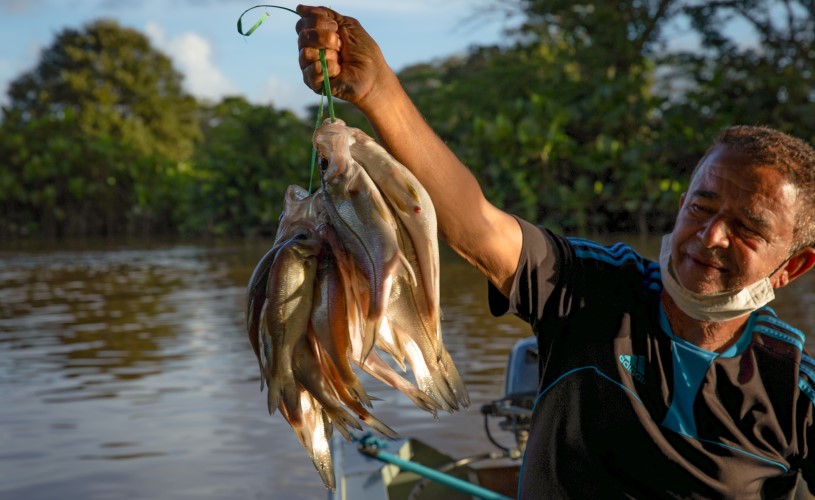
{"x": 262, "y": 18}
{"x": 326, "y": 83}
{"x": 327, "y": 86}
{"x": 313, "y": 148}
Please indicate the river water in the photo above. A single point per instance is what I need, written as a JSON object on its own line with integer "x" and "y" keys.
{"x": 125, "y": 372}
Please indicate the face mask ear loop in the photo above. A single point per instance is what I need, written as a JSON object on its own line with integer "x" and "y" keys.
{"x": 784, "y": 263}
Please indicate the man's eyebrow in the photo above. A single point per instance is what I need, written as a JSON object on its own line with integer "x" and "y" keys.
{"x": 755, "y": 218}
{"x": 703, "y": 193}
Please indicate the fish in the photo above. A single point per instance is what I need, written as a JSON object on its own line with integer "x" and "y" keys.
{"x": 255, "y": 300}
{"x": 307, "y": 371}
{"x": 412, "y": 205}
{"x": 374, "y": 365}
{"x": 301, "y": 211}
{"x": 289, "y": 297}
{"x": 362, "y": 220}
{"x": 330, "y": 324}
{"x": 352, "y": 277}
{"x": 408, "y": 320}
{"x": 313, "y": 429}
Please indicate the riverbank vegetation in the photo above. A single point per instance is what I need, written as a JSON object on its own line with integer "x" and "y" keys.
{"x": 589, "y": 119}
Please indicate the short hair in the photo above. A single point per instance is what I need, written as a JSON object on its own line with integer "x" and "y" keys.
{"x": 765, "y": 146}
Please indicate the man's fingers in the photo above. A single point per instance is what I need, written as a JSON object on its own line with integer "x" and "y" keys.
{"x": 313, "y": 77}
{"x": 311, "y": 56}
{"x": 313, "y": 71}
{"x": 316, "y": 23}
{"x": 319, "y": 38}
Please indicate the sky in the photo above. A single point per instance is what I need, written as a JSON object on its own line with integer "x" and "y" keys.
{"x": 201, "y": 38}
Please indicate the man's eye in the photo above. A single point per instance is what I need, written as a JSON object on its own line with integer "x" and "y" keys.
{"x": 748, "y": 231}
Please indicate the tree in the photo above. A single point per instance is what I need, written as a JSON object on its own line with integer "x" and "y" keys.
{"x": 116, "y": 85}
{"x": 249, "y": 156}
{"x": 766, "y": 76}
{"x": 91, "y": 134}
{"x": 560, "y": 126}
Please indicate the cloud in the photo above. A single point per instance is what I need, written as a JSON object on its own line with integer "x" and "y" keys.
{"x": 192, "y": 55}
{"x": 11, "y": 69}
{"x": 284, "y": 95}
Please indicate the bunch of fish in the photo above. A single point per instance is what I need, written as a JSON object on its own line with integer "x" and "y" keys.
{"x": 353, "y": 274}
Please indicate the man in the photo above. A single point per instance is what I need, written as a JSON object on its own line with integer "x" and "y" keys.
{"x": 669, "y": 379}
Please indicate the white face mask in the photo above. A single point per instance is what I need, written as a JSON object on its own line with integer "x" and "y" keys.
{"x": 714, "y": 307}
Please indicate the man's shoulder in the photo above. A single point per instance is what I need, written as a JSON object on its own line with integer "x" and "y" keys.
{"x": 778, "y": 335}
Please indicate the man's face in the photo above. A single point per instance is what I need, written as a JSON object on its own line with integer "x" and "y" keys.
{"x": 735, "y": 224}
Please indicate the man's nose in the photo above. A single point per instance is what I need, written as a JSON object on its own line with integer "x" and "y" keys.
{"x": 715, "y": 233}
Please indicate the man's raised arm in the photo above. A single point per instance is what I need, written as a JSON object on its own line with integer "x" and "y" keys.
{"x": 485, "y": 236}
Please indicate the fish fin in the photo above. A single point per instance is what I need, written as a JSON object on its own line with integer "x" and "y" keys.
{"x": 327, "y": 424}
{"x": 262, "y": 377}
{"x": 368, "y": 340}
{"x": 388, "y": 341}
{"x": 382, "y": 371}
{"x": 408, "y": 268}
{"x": 253, "y": 313}
{"x": 263, "y": 359}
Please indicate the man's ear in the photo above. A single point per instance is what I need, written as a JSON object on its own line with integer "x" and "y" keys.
{"x": 682, "y": 199}
{"x": 798, "y": 264}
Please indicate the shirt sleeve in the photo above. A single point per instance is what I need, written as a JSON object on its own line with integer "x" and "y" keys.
{"x": 806, "y": 417}
{"x": 537, "y": 278}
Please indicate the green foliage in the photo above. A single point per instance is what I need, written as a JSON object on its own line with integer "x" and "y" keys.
{"x": 559, "y": 127}
{"x": 115, "y": 84}
{"x": 92, "y": 136}
{"x": 584, "y": 121}
{"x": 248, "y": 158}
{"x": 57, "y": 181}
{"x": 766, "y": 82}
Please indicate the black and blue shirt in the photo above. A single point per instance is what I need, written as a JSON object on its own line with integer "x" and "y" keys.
{"x": 626, "y": 409}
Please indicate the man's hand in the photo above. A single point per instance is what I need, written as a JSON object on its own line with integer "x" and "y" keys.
{"x": 356, "y": 68}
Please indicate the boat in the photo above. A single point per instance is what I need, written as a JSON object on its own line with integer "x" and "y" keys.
{"x": 410, "y": 469}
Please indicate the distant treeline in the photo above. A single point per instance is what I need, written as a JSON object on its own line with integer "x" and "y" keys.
{"x": 589, "y": 119}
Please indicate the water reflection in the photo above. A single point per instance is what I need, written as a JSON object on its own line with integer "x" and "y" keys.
{"x": 125, "y": 372}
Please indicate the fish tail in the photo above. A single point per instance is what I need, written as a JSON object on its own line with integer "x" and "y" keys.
{"x": 273, "y": 396}
{"x": 453, "y": 379}
{"x": 422, "y": 401}
{"x": 379, "y": 426}
{"x": 358, "y": 392}
{"x": 343, "y": 420}
{"x": 290, "y": 395}
{"x": 442, "y": 393}
{"x": 368, "y": 339}
{"x": 388, "y": 340}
